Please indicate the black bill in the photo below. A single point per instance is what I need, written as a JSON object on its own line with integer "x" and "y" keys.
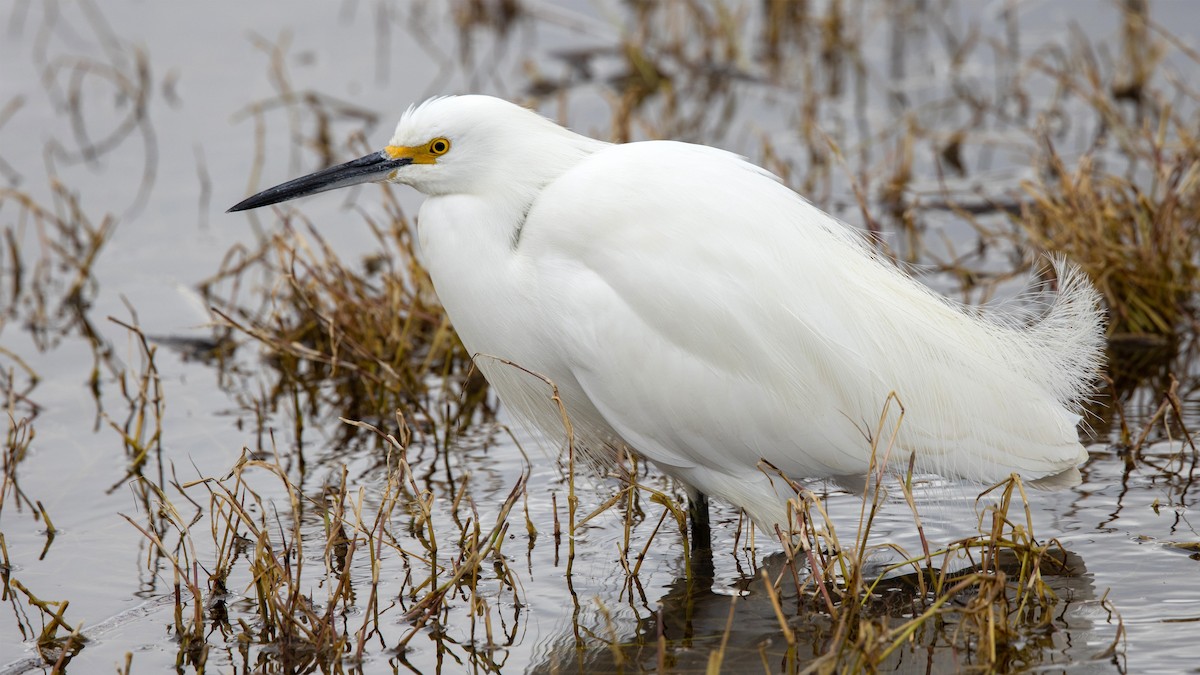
{"x": 372, "y": 168}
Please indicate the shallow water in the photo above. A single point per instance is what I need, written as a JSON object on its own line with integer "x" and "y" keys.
{"x": 167, "y": 176}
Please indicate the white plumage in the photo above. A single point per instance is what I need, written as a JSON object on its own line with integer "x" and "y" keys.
{"x": 690, "y": 307}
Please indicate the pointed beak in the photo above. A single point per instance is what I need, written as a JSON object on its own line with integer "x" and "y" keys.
{"x": 373, "y": 168}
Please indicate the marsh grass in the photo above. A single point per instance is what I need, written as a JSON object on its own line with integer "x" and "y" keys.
{"x": 49, "y": 250}
{"x": 986, "y": 594}
{"x": 1141, "y": 249}
{"x": 985, "y": 602}
{"x": 17, "y": 439}
{"x": 141, "y": 431}
{"x": 42, "y": 622}
{"x": 292, "y": 579}
{"x": 50, "y": 241}
{"x": 51, "y": 297}
{"x": 1131, "y": 221}
{"x": 356, "y": 337}
{"x": 58, "y": 641}
{"x": 281, "y": 577}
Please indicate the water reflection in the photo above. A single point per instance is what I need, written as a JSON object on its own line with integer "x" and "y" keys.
{"x": 696, "y": 617}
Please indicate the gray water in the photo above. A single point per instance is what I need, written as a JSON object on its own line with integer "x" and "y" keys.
{"x": 166, "y": 180}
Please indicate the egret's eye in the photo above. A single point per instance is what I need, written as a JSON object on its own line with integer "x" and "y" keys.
{"x": 439, "y": 146}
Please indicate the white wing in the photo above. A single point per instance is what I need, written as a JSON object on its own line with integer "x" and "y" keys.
{"x": 713, "y": 318}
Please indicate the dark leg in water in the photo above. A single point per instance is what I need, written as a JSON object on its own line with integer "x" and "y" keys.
{"x": 698, "y": 515}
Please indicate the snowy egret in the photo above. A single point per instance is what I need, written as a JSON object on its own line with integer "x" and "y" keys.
{"x": 691, "y": 308}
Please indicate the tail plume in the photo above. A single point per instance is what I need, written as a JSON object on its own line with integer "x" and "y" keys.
{"x": 1066, "y": 345}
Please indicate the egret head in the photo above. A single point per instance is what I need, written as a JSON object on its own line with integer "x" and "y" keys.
{"x": 453, "y": 145}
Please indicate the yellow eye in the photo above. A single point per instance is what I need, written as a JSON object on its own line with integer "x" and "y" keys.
{"x": 439, "y": 146}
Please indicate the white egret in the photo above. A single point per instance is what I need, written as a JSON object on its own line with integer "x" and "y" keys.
{"x": 691, "y": 308}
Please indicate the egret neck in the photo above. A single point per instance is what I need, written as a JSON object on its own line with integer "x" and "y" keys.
{"x": 471, "y": 230}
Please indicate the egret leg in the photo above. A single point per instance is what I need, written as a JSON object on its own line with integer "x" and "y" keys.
{"x": 698, "y": 515}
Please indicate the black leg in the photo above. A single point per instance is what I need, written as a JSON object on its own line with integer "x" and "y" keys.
{"x": 698, "y": 514}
